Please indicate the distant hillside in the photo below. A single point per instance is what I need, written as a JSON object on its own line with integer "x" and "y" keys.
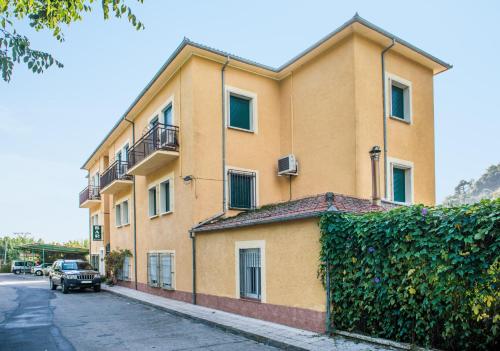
{"x": 486, "y": 187}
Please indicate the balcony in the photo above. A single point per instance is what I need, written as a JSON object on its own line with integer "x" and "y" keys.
{"x": 90, "y": 197}
{"x": 158, "y": 147}
{"x": 115, "y": 178}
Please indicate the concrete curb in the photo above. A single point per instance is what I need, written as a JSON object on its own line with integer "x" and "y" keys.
{"x": 383, "y": 342}
{"x": 256, "y": 337}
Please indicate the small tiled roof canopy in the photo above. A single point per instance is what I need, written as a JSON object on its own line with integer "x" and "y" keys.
{"x": 308, "y": 207}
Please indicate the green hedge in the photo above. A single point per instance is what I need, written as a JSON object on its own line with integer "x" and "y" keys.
{"x": 428, "y": 276}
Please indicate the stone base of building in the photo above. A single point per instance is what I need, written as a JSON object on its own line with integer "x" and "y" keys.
{"x": 292, "y": 316}
{"x": 170, "y": 294}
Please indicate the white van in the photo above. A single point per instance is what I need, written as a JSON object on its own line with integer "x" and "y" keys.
{"x": 18, "y": 267}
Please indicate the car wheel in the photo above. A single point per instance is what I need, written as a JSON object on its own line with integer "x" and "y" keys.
{"x": 52, "y": 285}
{"x": 38, "y": 273}
{"x": 97, "y": 288}
{"x": 16, "y": 272}
{"x": 64, "y": 287}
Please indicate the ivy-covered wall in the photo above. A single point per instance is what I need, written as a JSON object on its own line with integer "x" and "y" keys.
{"x": 428, "y": 276}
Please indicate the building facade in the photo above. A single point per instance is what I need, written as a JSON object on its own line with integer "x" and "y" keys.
{"x": 200, "y": 146}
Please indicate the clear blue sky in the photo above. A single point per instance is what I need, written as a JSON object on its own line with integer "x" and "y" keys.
{"x": 50, "y": 123}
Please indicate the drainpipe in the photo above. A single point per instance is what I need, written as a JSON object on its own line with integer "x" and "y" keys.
{"x": 385, "y": 114}
{"x": 192, "y": 234}
{"x": 134, "y": 207}
{"x": 223, "y": 101}
{"x": 90, "y": 223}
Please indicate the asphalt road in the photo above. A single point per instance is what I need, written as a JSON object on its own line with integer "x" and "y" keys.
{"x": 32, "y": 317}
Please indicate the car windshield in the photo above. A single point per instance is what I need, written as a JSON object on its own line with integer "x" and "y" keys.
{"x": 68, "y": 266}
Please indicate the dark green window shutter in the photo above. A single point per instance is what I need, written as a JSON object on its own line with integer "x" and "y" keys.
{"x": 241, "y": 192}
{"x": 398, "y": 102}
{"x": 399, "y": 183}
{"x": 239, "y": 112}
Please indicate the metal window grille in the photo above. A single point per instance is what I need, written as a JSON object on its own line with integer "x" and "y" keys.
{"x": 250, "y": 273}
{"x": 160, "y": 270}
{"x": 124, "y": 272}
{"x": 242, "y": 190}
{"x": 153, "y": 276}
{"x": 94, "y": 261}
{"x": 166, "y": 270}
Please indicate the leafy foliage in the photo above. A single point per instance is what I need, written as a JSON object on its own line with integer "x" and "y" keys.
{"x": 427, "y": 276}
{"x": 49, "y": 15}
{"x": 114, "y": 263}
{"x": 470, "y": 191}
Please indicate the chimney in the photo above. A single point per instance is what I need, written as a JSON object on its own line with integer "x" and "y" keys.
{"x": 375, "y": 156}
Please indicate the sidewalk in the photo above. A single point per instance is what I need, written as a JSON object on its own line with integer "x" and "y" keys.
{"x": 266, "y": 332}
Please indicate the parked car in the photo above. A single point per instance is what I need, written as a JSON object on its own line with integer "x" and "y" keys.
{"x": 70, "y": 274}
{"x": 18, "y": 267}
{"x": 40, "y": 269}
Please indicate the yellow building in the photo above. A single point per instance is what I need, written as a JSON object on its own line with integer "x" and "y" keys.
{"x": 183, "y": 178}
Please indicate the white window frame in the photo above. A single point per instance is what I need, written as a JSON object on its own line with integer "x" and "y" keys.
{"x": 153, "y": 215}
{"x": 406, "y": 85}
{"x": 172, "y": 268}
{"x": 232, "y": 168}
{"x": 162, "y": 210}
{"x": 159, "y": 112}
{"x": 94, "y": 219}
{"x": 409, "y": 167}
{"x": 119, "y": 212}
{"x": 254, "y": 107}
{"x": 118, "y": 216}
{"x": 123, "y": 213}
{"x": 251, "y": 244}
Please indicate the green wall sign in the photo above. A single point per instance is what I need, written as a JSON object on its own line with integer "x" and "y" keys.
{"x": 97, "y": 232}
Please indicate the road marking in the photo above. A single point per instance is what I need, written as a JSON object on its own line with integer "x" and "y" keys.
{"x": 24, "y": 282}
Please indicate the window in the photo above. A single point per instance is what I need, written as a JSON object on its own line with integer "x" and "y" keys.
{"x": 153, "y": 211}
{"x": 118, "y": 215}
{"x": 160, "y": 269}
{"x": 402, "y": 182}
{"x": 94, "y": 261}
{"x": 124, "y": 272}
{"x": 165, "y": 196}
{"x": 250, "y": 273}
{"x": 242, "y": 192}
{"x": 400, "y": 98}
{"x": 153, "y": 122}
{"x": 124, "y": 212}
{"x": 240, "y": 112}
{"x": 166, "y": 270}
{"x": 167, "y": 115}
{"x": 153, "y": 270}
{"x": 94, "y": 220}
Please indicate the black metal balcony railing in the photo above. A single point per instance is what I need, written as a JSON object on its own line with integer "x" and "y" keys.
{"x": 160, "y": 137}
{"x": 90, "y": 193}
{"x": 117, "y": 171}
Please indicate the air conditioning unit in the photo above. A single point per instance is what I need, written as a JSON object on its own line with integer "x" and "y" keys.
{"x": 288, "y": 165}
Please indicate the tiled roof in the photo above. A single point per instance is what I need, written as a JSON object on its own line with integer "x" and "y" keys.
{"x": 308, "y": 207}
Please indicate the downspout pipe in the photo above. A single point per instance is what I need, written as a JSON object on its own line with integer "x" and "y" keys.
{"x": 223, "y": 103}
{"x": 384, "y": 98}
{"x": 134, "y": 207}
{"x": 192, "y": 234}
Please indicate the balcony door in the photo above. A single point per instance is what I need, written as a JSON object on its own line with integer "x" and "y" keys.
{"x": 121, "y": 160}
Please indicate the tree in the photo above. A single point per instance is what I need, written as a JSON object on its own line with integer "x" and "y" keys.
{"x": 468, "y": 192}
{"x": 49, "y": 15}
